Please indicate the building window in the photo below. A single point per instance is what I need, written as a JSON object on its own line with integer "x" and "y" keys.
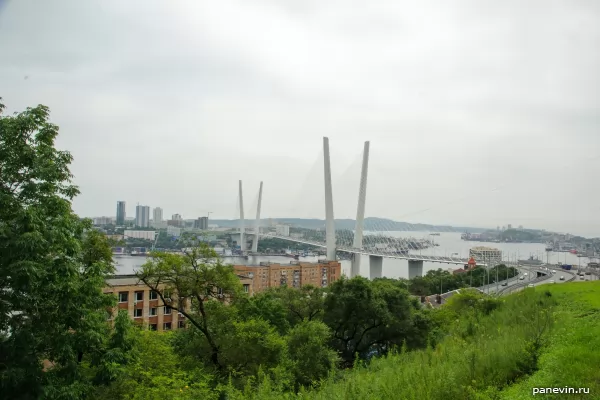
{"x": 123, "y": 296}
{"x": 181, "y": 324}
{"x": 153, "y": 327}
{"x": 246, "y": 288}
{"x": 153, "y": 295}
{"x": 137, "y": 313}
{"x": 139, "y": 296}
{"x": 166, "y": 310}
{"x": 167, "y": 326}
{"x": 153, "y": 311}
{"x": 167, "y": 294}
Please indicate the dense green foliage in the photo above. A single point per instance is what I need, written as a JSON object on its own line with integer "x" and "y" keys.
{"x": 492, "y": 350}
{"x": 52, "y": 266}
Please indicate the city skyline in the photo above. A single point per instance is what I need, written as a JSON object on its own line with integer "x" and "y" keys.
{"x": 478, "y": 114}
{"x": 204, "y": 225}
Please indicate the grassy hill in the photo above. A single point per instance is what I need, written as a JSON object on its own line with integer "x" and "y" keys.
{"x": 547, "y": 337}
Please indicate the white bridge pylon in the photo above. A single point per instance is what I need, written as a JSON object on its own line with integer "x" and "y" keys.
{"x": 330, "y": 234}
{"x": 376, "y": 261}
{"x": 242, "y": 221}
{"x": 378, "y": 246}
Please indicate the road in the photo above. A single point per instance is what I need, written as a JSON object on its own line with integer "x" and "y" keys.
{"x": 569, "y": 276}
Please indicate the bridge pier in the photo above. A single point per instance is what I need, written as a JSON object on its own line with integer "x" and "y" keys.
{"x": 375, "y": 266}
{"x": 355, "y": 265}
{"x": 415, "y": 268}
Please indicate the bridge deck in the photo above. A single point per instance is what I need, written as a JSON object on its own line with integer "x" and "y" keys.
{"x": 410, "y": 257}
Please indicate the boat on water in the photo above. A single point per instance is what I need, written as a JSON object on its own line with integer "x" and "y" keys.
{"x": 435, "y": 234}
{"x": 549, "y": 247}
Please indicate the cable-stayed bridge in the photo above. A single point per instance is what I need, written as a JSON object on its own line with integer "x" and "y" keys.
{"x": 377, "y": 243}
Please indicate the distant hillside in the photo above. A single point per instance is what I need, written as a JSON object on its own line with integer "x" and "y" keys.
{"x": 371, "y": 224}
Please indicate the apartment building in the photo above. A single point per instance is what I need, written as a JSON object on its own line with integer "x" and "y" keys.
{"x": 486, "y": 255}
{"x": 296, "y": 274}
{"x": 145, "y": 307}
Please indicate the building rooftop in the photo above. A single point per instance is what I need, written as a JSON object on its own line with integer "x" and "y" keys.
{"x": 484, "y": 248}
{"x": 291, "y": 264}
{"x": 129, "y": 280}
{"x": 123, "y": 280}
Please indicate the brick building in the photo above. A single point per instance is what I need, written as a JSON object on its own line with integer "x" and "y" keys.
{"x": 145, "y": 307}
{"x": 295, "y": 274}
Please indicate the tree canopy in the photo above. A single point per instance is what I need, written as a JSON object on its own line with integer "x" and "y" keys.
{"x": 52, "y": 265}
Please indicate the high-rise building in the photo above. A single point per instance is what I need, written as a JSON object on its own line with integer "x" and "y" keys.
{"x": 120, "y": 213}
{"x": 157, "y": 215}
{"x": 201, "y": 223}
{"x": 142, "y": 216}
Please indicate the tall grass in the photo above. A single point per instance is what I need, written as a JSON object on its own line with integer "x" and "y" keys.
{"x": 481, "y": 355}
{"x": 572, "y": 357}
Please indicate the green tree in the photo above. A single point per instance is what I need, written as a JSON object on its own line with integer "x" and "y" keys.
{"x": 52, "y": 266}
{"x": 245, "y": 345}
{"x": 157, "y": 373}
{"x": 199, "y": 276}
{"x": 304, "y": 303}
{"x": 366, "y": 317}
{"x": 266, "y": 306}
{"x": 121, "y": 350}
{"x": 312, "y": 359}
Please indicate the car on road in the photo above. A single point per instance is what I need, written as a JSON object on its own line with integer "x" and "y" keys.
{"x": 588, "y": 273}
{"x": 504, "y": 283}
{"x": 521, "y": 278}
{"x": 552, "y": 281}
{"x": 553, "y": 271}
{"x": 562, "y": 278}
{"x": 582, "y": 277}
{"x": 530, "y": 285}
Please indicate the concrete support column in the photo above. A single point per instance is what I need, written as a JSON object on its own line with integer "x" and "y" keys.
{"x": 242, "y": 222}
{"x": 415, "y": 268}
{"x": 375, "y": 266}
{"x": 355, "y": 265}
{"x": 329, "y": 218}
{"x": 257, "y": 222}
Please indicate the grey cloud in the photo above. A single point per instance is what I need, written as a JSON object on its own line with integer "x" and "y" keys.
{"x": 171, "y": 104}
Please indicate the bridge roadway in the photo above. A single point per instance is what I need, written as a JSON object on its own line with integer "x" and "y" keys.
{"x": 409, "y": 257}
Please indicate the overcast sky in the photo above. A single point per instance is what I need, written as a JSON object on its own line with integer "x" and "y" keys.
{"x": 479, "y": 113}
